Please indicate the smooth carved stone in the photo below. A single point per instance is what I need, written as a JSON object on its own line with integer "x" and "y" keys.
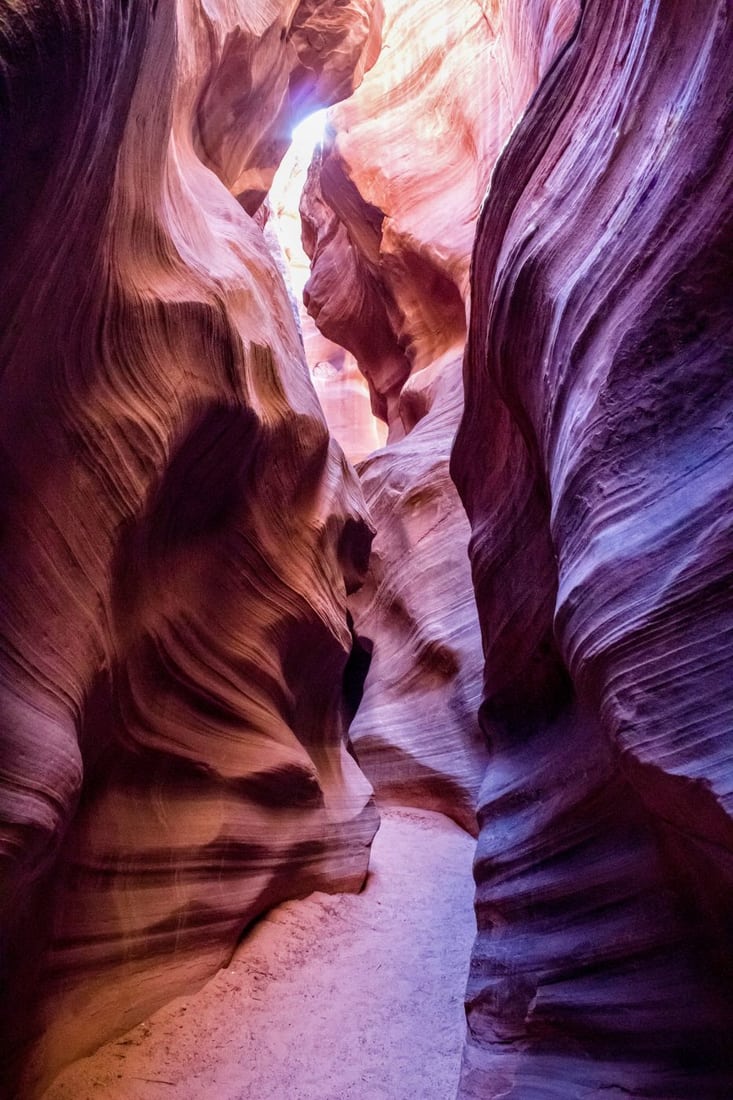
{"x": 416, "y": 731}
{"x": 179, "y": 532}
{"x": 391, "y": 204}
{"x": 594, "y": 459}
{"x": 389, "y": 212}
{"x": 346, "y": 294}
{"x": 344, "y": 396}
{"x": 341, "y": 388}
{"x": 267, "y": 66}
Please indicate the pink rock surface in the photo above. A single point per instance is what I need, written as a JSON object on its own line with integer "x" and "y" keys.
{"x": 389, "y": 214}
{"x": 179, "y": 532}
{"x": 416, "y": 731}
{"x": 342, "y": 389}
{"x": 391, "y": 206}
{"x": 354, "y": 997}
{"x": 594, "y": 458}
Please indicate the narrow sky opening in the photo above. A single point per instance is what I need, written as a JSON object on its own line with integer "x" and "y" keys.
{"x": 309, "y": 133}
{"x": 342, "y": 390}
{"x": 286, "y": 190}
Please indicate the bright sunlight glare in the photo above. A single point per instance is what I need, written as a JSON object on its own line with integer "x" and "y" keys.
{"x": 286, "y": 190}
{"x": 309, "y": 133}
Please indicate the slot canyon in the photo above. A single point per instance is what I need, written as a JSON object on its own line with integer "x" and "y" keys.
{"x": 366, "y": 559}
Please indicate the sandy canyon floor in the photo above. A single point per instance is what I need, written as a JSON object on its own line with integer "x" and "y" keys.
{"x": 329, "y": 998}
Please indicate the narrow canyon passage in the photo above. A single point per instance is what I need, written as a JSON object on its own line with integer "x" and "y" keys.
{"x": 332, "y": 997}
{"x": 366, "y": 440}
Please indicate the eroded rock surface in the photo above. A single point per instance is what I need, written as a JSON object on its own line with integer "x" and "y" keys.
{"x": 341, "y": 387}
{"x": 389, "y": 213}
{"x": 353, "y": 997}
{"x": 594, "y": 458}
{"x": 390, "y": 233}
{"x": 179, "y": 532}
{"x": 416, "y": 731}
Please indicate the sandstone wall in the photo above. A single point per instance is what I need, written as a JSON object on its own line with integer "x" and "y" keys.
{"x": 389, "y": 212}
{"x": 179, "y": 532}
{"x": 594, "y": 459}
{"x": 391, "y": 206}
{"x": 416, "y": 731}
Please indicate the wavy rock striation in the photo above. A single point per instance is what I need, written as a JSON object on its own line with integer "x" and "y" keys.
{"x": 342, "y": 390}
{"x": 179, "y": 532}
{"x": 390, "y": 235}
{"x": 389, "y": 213}
{"x": 594, "y": 458}
{"x": 416, "y": 731}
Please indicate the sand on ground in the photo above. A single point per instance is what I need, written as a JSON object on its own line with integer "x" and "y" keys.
{"x": 331, "y": 997}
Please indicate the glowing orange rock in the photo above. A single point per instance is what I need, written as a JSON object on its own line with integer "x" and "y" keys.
{"x": 179, "y": 531}
{"x": 389, "y": 213}
{"x": 391, "y": 207}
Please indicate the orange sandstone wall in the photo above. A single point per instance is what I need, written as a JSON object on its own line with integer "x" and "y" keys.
{"x": 389, "y": 211}
{"x": 179, "y": 532}
{"x": 391, "y": 207}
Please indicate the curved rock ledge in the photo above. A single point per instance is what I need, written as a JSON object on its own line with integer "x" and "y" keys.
{"x": 416, "y": 731}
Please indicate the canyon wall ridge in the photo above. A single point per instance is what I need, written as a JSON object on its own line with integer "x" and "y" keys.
{"x": 179, "y": 531}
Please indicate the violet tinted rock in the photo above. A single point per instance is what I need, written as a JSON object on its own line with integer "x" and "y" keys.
{"x": 416, "y": 731}
{"x": 594, "y": 459}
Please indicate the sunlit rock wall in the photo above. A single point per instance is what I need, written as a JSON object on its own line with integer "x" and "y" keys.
{"x": 342, "y": 389}
{"x": 179, "y": 532}
{"x": 389, "y": 216}
{"x": 391, "y": 206}
{"x": 416, "y": 732}
{"x": 595, "y": 459}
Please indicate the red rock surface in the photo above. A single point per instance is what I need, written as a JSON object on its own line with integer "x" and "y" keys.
{"x": 179, "y": 532}
{"x": 391, "y": 206}
{"x": 389, "y": 214}
{"x": 416, "y": 731}
{"x": 341, "y": 388}
{"x": 594, "y": 458}
{"x": 350, "y": 997}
